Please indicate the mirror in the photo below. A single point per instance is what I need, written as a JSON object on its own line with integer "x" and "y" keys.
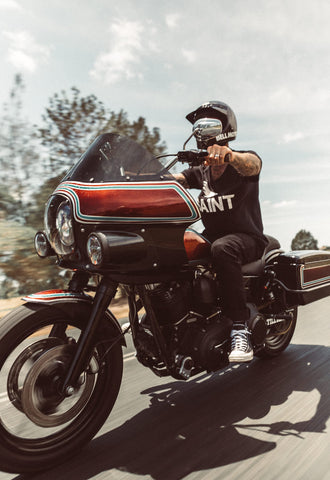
{"x": 206, "y": 128}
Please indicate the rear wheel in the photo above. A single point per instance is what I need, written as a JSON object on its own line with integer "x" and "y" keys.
{"x": 279, "y": 333}
{"x": 39, "y": 426}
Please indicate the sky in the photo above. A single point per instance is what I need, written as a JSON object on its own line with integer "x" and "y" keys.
{"x": 269, "y": 60}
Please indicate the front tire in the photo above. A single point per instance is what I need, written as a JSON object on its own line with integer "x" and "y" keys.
{"x": 39, "y": 428}
{"x": 279, "y": 334}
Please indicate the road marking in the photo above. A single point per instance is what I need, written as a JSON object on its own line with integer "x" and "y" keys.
{"x": 129, "y": 356}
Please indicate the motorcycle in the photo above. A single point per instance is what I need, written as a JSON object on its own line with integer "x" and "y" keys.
{"x": 119, "y": 217}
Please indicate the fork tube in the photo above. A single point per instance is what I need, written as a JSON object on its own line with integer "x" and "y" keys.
{"x": 104, "y": 294}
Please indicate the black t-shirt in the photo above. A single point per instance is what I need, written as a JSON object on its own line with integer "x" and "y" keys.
{"x": 229, "y": 204}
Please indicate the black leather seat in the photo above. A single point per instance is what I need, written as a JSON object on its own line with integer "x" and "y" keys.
{"x": 256, "y": 267}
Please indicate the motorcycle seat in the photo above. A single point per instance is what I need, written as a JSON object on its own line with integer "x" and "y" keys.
{"x": 256, "y": 268}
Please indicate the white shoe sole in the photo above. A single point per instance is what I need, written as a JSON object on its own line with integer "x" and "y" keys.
{"x": 238, "y": 357}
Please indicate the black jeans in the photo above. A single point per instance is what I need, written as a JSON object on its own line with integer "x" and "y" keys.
{"x": 229, "y": 253}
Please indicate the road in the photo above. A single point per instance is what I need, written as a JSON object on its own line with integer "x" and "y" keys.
{"x": 265, "y": 420}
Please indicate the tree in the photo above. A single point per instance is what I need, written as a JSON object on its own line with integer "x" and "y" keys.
{"x": 35, "y": 218}
{"x": 19, "y": 155}
{"x": 21, "y": 270}
{"x": 304, "y": 241}
{"x": 8, "y": 205}
{"x": 73, "y": 121}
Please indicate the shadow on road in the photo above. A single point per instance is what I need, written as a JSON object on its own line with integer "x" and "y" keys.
{"x": 192, "y": 426}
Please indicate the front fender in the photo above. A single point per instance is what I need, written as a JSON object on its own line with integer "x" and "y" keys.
{"x": 55, "y": 296}
{"x": 60, "y": 299}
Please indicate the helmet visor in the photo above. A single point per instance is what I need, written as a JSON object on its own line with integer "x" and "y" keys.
{"x": 204, "y": 129}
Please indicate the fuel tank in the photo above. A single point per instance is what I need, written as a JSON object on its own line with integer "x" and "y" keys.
{"x": 196, "y": 246}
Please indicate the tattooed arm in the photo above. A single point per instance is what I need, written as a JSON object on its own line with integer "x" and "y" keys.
{"x": 246, "y": 163}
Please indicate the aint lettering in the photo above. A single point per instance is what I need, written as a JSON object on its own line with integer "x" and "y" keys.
{"x": 218, "y": 203}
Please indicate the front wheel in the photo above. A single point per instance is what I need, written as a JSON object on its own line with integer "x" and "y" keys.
{"x": 39, "y": 426}
{"x": 279, "y": 333}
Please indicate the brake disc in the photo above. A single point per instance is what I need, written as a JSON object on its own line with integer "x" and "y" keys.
{"x": 42, "y": 401}
{"x": 23, "y": 362}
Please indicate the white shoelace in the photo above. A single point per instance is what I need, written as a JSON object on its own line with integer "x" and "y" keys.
{"x": 240, "y": 340}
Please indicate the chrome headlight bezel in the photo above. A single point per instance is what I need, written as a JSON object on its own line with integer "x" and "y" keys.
{"x": 42, "y": 245}
{"x": 95, "y": 250}
{"x": 64, "y": 224}
{"x": 59, "y": 225}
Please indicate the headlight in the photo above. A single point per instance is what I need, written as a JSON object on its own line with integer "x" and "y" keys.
{"x": 115, "y": 248}
{"x": 59, "y": 225}
{"x": 64, "y": 224}
{"x": 42, "y": 245}
{"x": 94, "y": 250}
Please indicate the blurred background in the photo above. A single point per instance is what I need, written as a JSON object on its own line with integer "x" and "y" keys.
{"x": 72, "y": 71}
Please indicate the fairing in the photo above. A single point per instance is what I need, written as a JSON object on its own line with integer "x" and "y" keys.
{"x": 118, "y": 186}
{"x": 113, "y": 158}
{"x": 118, "y": 181}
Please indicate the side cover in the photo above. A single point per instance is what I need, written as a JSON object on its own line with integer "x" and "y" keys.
{"x": 305, "y": 275}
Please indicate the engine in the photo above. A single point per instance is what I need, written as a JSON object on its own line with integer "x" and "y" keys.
{"x": 195, "y": 332}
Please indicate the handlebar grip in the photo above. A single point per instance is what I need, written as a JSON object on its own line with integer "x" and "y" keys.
{"x": 193, "y": 157}
{"x": 196, "y": 157}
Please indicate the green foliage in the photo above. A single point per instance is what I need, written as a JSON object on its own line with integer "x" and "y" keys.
{"x": 304, "y": 241}
{"x": 8, "y": 205}
{"x": 71, "y": 122}
{"x": 21, "y": 270}
{"x": 35, "y": 217}
{"x": 19, "y": 156}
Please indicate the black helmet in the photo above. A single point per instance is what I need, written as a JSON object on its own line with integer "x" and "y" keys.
{"x": 220, "y": 111}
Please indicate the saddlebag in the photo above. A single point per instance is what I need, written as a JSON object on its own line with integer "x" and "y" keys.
{"x": 304, "y": 275}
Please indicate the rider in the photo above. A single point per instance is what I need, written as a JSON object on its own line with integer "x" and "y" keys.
{"x": 229, "y": 205}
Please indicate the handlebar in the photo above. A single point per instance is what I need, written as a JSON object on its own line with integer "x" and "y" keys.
{"x": 196, "y": 157}
{"x": 193, "y": 157}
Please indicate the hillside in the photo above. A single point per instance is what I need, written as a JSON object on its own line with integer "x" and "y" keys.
{"x": 14, "y": 236}
{"x": 21, "y": 270}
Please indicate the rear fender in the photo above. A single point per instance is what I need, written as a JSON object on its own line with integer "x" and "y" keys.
{"x": 60, "y": 300}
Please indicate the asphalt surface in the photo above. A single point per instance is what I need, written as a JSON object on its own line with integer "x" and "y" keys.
{"x": 265, "y": 420}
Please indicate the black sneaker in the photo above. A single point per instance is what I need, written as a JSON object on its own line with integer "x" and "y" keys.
{"x": 241, "y": 348}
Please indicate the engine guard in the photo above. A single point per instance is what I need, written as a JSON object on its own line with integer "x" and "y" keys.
{"x": 59, "y": 298}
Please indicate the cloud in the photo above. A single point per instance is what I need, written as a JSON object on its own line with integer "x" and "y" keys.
{"x": 282, "y": 204}
{"x": 126, "y": 48}
{"x": 189, "y": 55}
{"x": 10, "y": 5}
{"x": 292, "y": 137}
{"x": 172, "y": 19}
{"x": 24, "y": 53}
{"x": 285, "y": 204}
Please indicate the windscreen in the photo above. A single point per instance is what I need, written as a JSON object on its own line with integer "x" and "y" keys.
{"x": 113, "y": 158}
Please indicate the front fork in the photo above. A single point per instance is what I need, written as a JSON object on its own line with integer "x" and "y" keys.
{"x": 105, "y": 292}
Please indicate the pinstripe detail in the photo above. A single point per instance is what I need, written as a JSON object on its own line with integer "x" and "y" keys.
{"x": 55, "y": 296}
{"x": 72, "y": 190}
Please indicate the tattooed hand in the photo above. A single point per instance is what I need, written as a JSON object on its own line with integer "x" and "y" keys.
{"x": 246, "y": 163}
